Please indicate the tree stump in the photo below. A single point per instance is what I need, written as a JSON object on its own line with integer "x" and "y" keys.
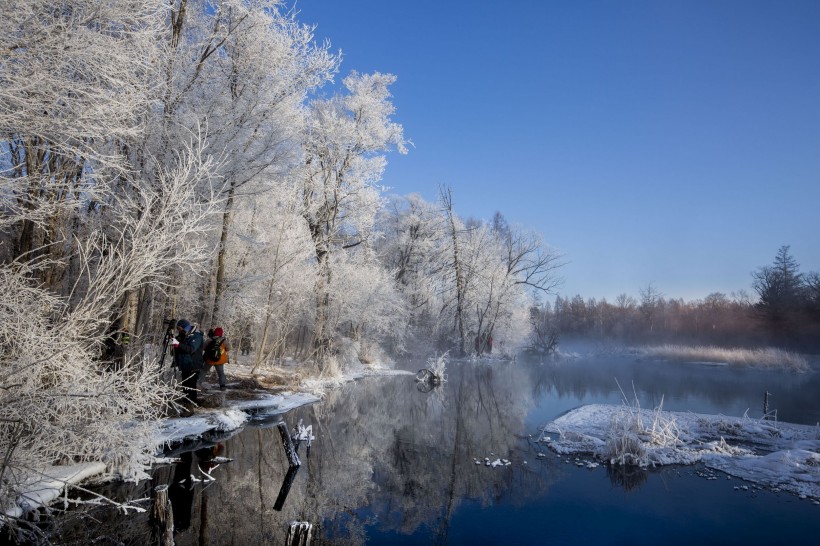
{"x": 300, "y": 533}
{"x": 163, "y": 516}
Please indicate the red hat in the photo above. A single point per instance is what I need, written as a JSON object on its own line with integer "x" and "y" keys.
{"x": 218, "y": 332}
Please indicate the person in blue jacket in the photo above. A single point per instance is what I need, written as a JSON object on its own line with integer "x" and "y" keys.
{"x": 187, "y": 348}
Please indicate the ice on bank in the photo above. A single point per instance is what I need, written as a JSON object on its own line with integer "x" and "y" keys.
{"x": 775, "y": 454}
{"x": 45, "y": 486}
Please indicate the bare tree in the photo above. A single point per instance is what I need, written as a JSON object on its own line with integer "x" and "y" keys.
{"x": 650, "y": 300}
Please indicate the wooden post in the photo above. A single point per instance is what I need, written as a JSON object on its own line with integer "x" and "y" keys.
{"x": 290, "y": 451}
{"x": 300, "y": 533}
{"x": 163, "y": 516}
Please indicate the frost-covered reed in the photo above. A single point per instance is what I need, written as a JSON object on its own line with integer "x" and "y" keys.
{"x": 632, "y": 431}
{"x": 438, "y": 366}
{"x": 769, "y": 358}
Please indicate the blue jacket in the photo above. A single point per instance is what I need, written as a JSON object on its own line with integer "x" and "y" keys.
{"x": 188, "y": 356}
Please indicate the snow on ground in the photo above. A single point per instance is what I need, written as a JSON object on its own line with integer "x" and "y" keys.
{"x": 782, "y": 456}
{"x": 50, "y": 483}
{"x": 44, "y": 487}
{"x": 320, "y": 385}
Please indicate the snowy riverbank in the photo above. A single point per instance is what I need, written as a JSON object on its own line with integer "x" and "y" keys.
{"x": 46, "y": 486}
{"x": 778, "y": 455}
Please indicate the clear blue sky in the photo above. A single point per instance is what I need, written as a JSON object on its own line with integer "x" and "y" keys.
{"x": 676, "y": 143}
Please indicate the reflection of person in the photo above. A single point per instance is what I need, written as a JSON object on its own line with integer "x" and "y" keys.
{"x": 216, "y": 355}
{"x": 187, "y": 349}
{"x": 206, "y": 458}
{"x": 181, "y": 493}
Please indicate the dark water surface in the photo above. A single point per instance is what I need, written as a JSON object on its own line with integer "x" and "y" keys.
{"x": 393, "y": 465}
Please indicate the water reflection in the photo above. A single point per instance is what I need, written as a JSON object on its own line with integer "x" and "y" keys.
{"x": 627, "y": 477}
{"x": 390, "y": 461}
{"x": 181, "y": 493}
{"x": 681, "y": 386}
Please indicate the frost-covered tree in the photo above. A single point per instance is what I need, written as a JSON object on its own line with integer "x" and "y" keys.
{"x": 61, "y": 402}
{"x": 412, "y": 231}
{"x": 82, "y": 229}
{"x": 414, "y": 246}
{"x": 271, "y": 277}
{"x": 259, "y": 78}
{"x": 76, "y": 77}
{"x": 365, "y": 304}
{"x": 344, "y": 143}
{"x": 457, "y": 268}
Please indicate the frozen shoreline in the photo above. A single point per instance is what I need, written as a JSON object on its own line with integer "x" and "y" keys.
{"x": 48, "y": 485}
{"x": 779, "y": 455}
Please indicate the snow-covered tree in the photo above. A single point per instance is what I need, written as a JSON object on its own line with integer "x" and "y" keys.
{"x": 344, "y": 143}
{"x": 249, "y": 94}
{"x": 83, "y": 229}
{"x": 413, "y": 246}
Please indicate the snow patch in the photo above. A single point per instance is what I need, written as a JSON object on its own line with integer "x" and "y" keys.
{"x": 44, "y": 487}
{"x": 782, "y": 456}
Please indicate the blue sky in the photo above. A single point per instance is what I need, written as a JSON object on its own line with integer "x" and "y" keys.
{"x": 676, "y": 143}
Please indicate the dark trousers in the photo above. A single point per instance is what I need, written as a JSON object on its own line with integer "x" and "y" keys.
{"x": 189, "y": 379}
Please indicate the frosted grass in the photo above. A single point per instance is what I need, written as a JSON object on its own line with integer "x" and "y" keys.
{"x": 768, "y": 358}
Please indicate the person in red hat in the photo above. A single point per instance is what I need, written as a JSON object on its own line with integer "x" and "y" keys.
{"x": 216, "y": 355}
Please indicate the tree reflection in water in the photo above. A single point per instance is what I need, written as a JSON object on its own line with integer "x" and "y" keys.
{"x": 628, "y": 477}
{"x": 390, "y": 460}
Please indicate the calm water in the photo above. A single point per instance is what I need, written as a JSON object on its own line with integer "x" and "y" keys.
{"x": 393, "y": 465}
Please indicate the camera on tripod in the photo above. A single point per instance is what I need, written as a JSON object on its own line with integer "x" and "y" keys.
{"x": 170, "y": 326}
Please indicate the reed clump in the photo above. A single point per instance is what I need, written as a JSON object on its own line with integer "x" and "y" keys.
{"x": 768, "y": 358}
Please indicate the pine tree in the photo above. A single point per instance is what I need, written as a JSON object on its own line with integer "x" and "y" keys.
{"x": 780, "y": 287}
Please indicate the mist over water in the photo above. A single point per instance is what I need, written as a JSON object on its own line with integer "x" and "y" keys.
{"x": 684, "y": 386}
{"x": 394, "y": 465}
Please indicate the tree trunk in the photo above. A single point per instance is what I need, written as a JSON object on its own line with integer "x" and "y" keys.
{"x": 447, "y": 201}
{"x": 322, "y": 337}
{"x": 221, "y": 256}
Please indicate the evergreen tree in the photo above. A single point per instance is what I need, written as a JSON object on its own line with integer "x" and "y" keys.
{"x": 780, "y": 288}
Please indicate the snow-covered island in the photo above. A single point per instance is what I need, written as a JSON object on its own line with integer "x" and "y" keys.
{"x": 782, "y": 456}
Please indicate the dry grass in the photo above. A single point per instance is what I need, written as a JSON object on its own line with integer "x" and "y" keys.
{"x": 769, "y": 358}
{"x": 632, "y": 432}
{"x": 438, "y": 366}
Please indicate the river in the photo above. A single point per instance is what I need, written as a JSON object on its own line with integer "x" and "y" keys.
{"x": 395, "y": 464}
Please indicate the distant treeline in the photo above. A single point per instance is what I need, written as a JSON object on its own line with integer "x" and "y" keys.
{"x": 784, "y": 311}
